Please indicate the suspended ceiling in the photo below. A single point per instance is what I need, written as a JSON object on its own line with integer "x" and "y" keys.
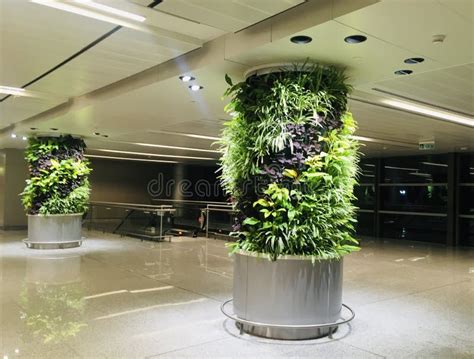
{"x": 127, "y": 88}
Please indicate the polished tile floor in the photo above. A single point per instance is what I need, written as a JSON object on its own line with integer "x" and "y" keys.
{"x": 122, "y": 298}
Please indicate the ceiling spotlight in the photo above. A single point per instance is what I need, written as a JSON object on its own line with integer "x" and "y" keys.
{"x": 414, "y": 60}
{"x": 403, "y": 72}
{"x": 301, "y": 39}
{"x": 355, "y": 39}
{"x": 97, "y": 133}
{"x": 24, "y": 138}
{"x": 13, "y": 135}
{"x": 53, "y": 129}
{"x": 105, "y": 135}
{"x": 195, "y": 87}
{"x": 186, "y": 78}
{"x": 33, "y": 128}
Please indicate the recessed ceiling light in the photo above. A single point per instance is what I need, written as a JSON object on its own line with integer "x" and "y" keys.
{"x": 105, "y": 136}
{"x": 403, "y": 72}
{"x": 24, "y": 138}
{"x": 186, "y": 78}
{"x": 53, "y": 129}
{"x": 33, "y": 128}
{"x": 13, "y": 135}
{"x": 355, "y": 39}
{"x": 414, "y": 60}
{"x": 195, "y": 87}
{"x": 97, "y": 133}
{"x": 301, "y": 39}
{"x": 425, "y": 110}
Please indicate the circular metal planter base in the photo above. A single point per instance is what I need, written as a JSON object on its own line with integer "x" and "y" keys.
{"x": 52, "y": 245}
{"x": 285, "y": 331}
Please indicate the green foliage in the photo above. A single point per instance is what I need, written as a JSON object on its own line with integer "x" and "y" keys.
{"x": 52, "y": 314}
{"x": 59, "y": 172}
{"x": 291, "y": 136}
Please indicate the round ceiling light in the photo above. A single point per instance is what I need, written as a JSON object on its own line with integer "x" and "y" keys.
{"x": 13, "y": 135}
{"x": 33, "y": 128}
{"x": 414, "y": 60}
{"x": 195, "y": 87}
{"x": 53, "y": 129}
{"x": 355, "y": 39}
{"x": 301, "y": 39}
{"x": 403, "y": 72}
{"x": 97, "y": 133}
{"x": 186, "y": 78}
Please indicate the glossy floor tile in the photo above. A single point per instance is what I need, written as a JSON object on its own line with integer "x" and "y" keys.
{"x": 123, "y": 298}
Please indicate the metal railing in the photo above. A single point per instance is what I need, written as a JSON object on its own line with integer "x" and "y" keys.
{"x": 132, "y": 219}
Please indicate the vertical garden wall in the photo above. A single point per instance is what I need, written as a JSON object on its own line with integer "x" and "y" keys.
{"x": 57, "y": 192}
{"x": 290, "y": 164}
{"x": 58, "y": 182}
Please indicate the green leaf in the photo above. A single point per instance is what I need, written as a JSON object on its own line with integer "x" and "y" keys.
{"x": 228, "y": 80}
{"x": 251, "y": 221}
{"x": 290, "y": 173}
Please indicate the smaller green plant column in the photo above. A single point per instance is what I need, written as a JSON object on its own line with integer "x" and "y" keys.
{"x": 59, "y": 172}
{"x": 57, "y": 192}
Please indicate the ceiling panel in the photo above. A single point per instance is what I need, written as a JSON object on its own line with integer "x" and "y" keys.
{"x": 371, "y": 61}
{"x": 411, "y": 25}
{"x": 18, "y": 108}
{"x": 227, "y": 15}
{"x": 451, "y": 88}
{"x": 390, "y": 124}
{"x": 121, "y": 55}
{"x": 34, "y": 38}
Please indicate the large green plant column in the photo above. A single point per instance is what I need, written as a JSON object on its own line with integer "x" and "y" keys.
{"x": 59, "y": 172}
{"x": 290, "y": 164}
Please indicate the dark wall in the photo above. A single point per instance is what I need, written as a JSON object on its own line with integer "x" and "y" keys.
{"x": 141, "y": 182}
{"x": 423, "y": 198}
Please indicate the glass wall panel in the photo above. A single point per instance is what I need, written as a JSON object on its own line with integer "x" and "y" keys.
{"x": 466, "y": 228}
{"x": 414, "y": 228}
{"x": 416, "y": 169}
{"x": 365, "y": 196}
{"x": 466, "y": 200}
{"x": 428, "y": 198}
{"x": 365, "y": 224}
{"x": 367, "y": 170}
{"x": 466, "y": 168}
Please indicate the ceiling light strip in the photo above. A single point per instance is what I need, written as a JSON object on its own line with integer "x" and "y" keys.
{"x": 385, "y": 142}
{"x": 111, "y": 10}
{"x": 424, "y": 111}
{"x": 431, "y": 112}
{"x": 129, "y": 159}
{"x": 393, "y": 94}
{"x": 166, "y": 146}
{"x": 153, "y": 154}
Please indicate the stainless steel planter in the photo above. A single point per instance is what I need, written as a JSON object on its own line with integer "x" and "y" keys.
{"x": 289, "y": 291}
{"x": 54, "y": 231}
